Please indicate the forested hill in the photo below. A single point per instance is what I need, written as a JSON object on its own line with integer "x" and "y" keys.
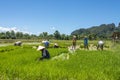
{"x": 104, "y": 30}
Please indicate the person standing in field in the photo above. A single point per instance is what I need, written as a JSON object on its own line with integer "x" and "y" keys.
{"x": 74, "y": 42}
{"x": 45, "y": 53}
{"x": 86, "y": 43}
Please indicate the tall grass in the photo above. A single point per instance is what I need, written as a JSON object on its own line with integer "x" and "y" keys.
{"x": 19, "y": 63}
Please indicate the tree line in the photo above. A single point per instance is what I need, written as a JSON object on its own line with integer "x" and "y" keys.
{"x": 43, "y": 35}
{"x": 95, "y": 32}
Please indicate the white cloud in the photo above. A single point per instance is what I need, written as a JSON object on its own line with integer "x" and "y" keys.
{"x": 15, "y": 29}
{"x": 4, "y": 29}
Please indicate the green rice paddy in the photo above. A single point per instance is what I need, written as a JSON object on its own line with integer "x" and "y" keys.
{"x": 20, "y": 63}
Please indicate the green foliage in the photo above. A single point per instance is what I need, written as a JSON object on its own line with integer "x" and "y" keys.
{"x": 82, "y": 46}
{"x": 102, "y": 31}
{"x": 20, "y": 64}
{"x": 44, "y": 35}
{"x": 57, "y": 34}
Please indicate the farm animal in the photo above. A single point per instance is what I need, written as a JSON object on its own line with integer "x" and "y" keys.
{"x": 18, "y": 43}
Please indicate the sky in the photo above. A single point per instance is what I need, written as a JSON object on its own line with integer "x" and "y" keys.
{"x": 37, "y": 16}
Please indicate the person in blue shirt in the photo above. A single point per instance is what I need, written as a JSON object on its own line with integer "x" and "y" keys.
{"x": 86, "y": 42}
{"x": 46, "y": 44}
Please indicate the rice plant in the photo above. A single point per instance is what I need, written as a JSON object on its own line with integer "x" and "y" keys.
{"x": 19, "y": 63}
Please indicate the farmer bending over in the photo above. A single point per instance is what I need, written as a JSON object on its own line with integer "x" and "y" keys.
{"x": 56, "y": 45}
{"x": 100, "y": 45}
{"x": 18, "y": 43}
{"x": 45, "y": 53}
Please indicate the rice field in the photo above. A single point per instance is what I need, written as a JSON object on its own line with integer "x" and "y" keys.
{"x": 20, "y": 62}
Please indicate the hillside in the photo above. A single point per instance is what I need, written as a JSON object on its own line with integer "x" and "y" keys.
{"x": 104, "y": 30}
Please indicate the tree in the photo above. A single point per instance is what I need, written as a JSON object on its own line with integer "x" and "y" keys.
{"x": 63, "y": 36}
{"x": 90, "y": 37}
{"x": 19, "y": 35}
{"x": 40, "y": 35}
{"x": 45, "y": 34}
{"x": 119, "y": 25}
{"x": 33, "y": 36}
{"x": 8, "y": 35}
{"x": 13, "y": 36}
{"x": 67, "y": 37}
{"x": 2, "y": 35}
{"x": 51, "y": 36}
{"x": 57, "y": 34}
{"x": 26, "y": 36}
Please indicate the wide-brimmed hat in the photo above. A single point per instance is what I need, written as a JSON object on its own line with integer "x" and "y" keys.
{"x": 40, "y": 48}
{"x": 56, "y": 44}
{"x": 74, "y": 36}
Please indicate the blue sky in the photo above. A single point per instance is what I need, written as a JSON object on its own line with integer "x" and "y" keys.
{"x": 37, "y": 16}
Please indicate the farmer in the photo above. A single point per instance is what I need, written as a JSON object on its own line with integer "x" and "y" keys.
{"x": 46, "y": 43}
{"x": 74, "y": 43}
{"x": 86, "y": 42}
{"x": 56, "y": 45}
{"x": 100, "y": 45}
{"x": 45, "y": 53}
{"x": 18, "y": 43}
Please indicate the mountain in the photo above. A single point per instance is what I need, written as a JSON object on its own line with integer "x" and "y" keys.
{"x": 103, "y": 30}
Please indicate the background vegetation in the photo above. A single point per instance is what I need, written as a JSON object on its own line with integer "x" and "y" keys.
{"x": 103, "y": 31}
{"x": 20, "y": 63}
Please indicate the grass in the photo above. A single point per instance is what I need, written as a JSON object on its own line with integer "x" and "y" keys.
{"x": 19, "y": 63}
